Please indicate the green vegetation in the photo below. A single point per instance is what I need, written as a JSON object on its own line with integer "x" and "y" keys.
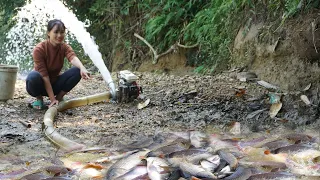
{"x": 212, "y": 24}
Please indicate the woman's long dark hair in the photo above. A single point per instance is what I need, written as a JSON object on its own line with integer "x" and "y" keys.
{"x": 54, "y": 22}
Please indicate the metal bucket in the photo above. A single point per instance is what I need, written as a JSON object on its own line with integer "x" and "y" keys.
{"x": 8, "y": 77}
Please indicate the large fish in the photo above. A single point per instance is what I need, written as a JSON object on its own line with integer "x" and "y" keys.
{"x": 189, "y": 155}
{"x": 293, "y": 148}
{"x": 216, "y": 143}
{"x": 241, "y": 173}
{"x": 298, "y": 138}
{"x": 116, "y": 157}
{"x": 142, "y": 143}
{"x": 305, "y": 156}
{"x": 210, "y": 163}
{"x": 175, "y": 174}
{"x": 273, "y": 145}
{"x": 271, "y": 165}
{"x": 196, "y": 170}
{"x": 157, "y": 168}
{"x": 165, "y": 139}
{"x": 187, "y": 152}
{"x": 198, "y": 139}
{"x": 273, "y": 176}
{"x": 230, "y": 158}
{"x": 260, "y": 154}
{"x": 252, "y": 143}
{"x": 163, "y": 149}
{"x": 138, "y": 173}
{"x": 124, "y": 165}
{"x": 226, "y": 171}
{"x": 168, "y": 149}
{"x": 303, "y": 169}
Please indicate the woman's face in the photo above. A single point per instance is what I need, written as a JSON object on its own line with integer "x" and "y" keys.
{"x": 56, "y": 35}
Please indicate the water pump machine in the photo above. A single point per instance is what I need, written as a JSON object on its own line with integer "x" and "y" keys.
{"x": 128, "y": 89}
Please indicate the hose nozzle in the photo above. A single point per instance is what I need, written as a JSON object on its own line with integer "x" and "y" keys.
{"x": 113, "y": 91}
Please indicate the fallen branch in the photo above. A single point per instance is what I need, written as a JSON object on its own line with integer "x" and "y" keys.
{"x": 313, "y": 30}
{"x": 156, "y": 56}
{"x": 275, "y": 45}
{"x": 172, "y": 48}
{"x": 27, "y": 125}
{"x": 186, "y": 47}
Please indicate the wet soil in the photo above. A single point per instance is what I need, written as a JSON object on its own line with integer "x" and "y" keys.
{"x": 209, "y": 104}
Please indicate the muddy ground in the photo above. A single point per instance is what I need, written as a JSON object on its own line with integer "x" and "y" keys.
{"x": 177, "y": 103}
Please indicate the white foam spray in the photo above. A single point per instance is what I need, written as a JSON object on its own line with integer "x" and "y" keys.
{"x": 40, "y": 11}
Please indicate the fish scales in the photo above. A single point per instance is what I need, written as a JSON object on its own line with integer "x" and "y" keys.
{"x": 157, "y": 168}
{"x": 273, "y": 145}
{"x": 298, "y": 138}
{"x": 241, "y": 173}
{"x": 273, "y": 175}
{"x": 230, "y": 158}
{"x": 293, "y": 148}
{"x": 138, "y": 172}
{"x": 196, "y": 170}
{"x": 124, "y": 165}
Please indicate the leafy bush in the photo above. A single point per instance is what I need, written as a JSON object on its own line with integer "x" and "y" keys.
{"x": 208, "y": 23}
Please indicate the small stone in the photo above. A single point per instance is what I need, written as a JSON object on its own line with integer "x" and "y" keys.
{"x": 5, "y": 166}
{"x": 9, "y": 101}
{"x": 69, "y": 112}
{"x": 235, "y": 129}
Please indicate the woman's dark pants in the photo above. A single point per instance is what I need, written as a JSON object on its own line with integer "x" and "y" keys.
{"x": 65, "y": 82}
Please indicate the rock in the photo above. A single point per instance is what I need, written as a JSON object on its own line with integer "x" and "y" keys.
{"x": 246, "y": 76}
{"x": 9, "y": 101}
{"x": 235, "y": 129}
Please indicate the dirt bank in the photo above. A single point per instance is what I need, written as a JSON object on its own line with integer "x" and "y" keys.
{"x": 284, "y": 54}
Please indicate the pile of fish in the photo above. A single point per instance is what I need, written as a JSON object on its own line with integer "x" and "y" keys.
{"x": 195, "y": 155}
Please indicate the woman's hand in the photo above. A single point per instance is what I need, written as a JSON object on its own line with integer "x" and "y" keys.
{"x": 54, "y": 102}
{"x": 84, "y": 73}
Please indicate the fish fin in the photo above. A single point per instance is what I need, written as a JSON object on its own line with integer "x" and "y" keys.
{"x": 267, "y": 152}
{"x": 161, "y": 156}
{"x": 194, "y": 178}
{"x": 93, "y": 165}
{"x": 166, "y": 169}
{"x": 142, "y": 157}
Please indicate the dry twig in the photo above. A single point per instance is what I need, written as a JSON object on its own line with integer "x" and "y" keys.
{"x": 313, "y": 38}
{"x": 156, "y": 56}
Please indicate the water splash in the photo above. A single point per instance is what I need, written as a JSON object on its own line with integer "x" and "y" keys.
{"x": 24, "y": 36}
{"x": 28, "y": 31}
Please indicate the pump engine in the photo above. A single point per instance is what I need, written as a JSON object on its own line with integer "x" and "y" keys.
{"x": 128, "y": 88}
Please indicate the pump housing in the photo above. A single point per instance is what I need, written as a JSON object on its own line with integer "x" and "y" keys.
{"x": 128, "y": 88}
